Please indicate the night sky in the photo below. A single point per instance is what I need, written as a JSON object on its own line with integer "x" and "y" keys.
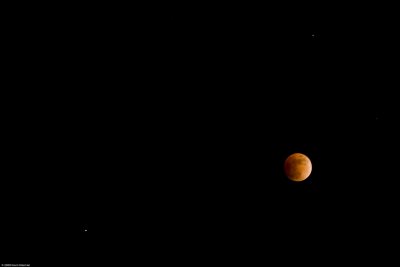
{"x": 49, "y": 139}
{"x": 225, "y": 94}
{"x": 248, "y": 89}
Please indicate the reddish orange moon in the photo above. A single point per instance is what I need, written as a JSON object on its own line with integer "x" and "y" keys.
{"x": 298, "y": 167}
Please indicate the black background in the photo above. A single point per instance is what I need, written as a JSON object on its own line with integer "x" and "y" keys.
{"x": 242, "y": 88}
{"x": 220, "y": 96}
{"x": 50, "y": 134}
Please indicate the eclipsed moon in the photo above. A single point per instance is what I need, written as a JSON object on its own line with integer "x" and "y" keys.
{"x": 297, "y": 167}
